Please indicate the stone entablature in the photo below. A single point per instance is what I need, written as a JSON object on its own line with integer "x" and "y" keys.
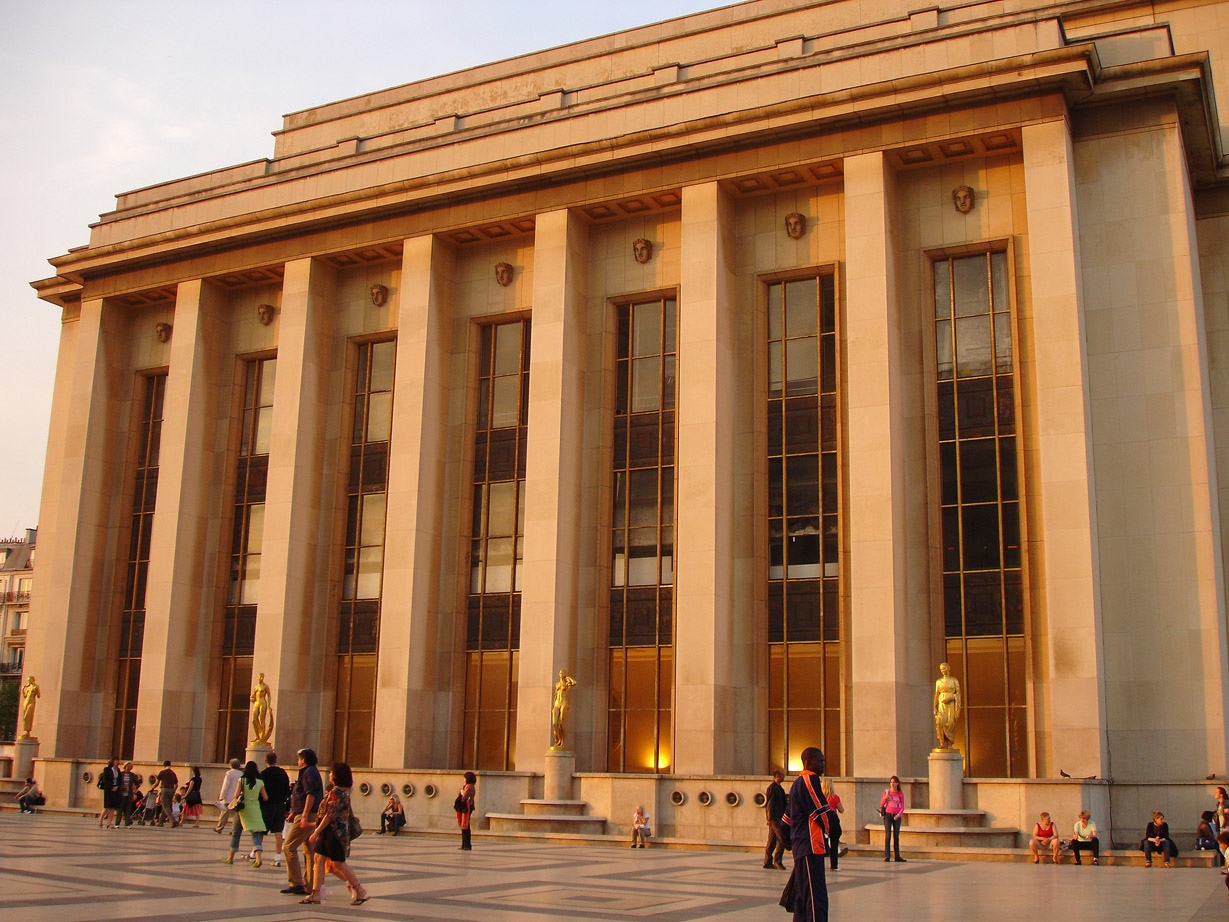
{"x": 389, "y": 152}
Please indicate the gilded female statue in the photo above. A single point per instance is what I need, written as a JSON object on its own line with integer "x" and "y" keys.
{"x": 30, "y": 693}
{"x": 947, "y": 707}
{"x": 559, "y": 708}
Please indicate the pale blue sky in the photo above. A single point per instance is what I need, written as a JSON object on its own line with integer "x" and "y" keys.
{"x": 104, "y": 96}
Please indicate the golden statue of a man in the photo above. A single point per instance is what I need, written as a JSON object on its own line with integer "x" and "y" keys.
{"x": 262, "y": 711}
{"x": 947, "y": 707}
{"x": 30, "y": 693}
{"x": 559, "y": 708}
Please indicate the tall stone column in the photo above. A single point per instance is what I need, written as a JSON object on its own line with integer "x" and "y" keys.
{"x": 404, "y": 731}
{"x": 67, "y": 635}
{"x": 704, "y": 687}
{"x": 180, "y": 593}
{"x": 550, "y": 569}
{"x": 294, "y": 595}
{"x": 879, "y": 638}
{"x": 1072, "y": 715}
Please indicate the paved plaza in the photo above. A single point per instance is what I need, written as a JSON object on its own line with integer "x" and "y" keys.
{"x": 66, "y": 869}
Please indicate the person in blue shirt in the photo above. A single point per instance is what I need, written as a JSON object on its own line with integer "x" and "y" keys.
{"x": 807, "y": 818}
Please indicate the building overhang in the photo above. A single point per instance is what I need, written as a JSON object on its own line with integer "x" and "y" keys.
{"x": 679, "y": 121}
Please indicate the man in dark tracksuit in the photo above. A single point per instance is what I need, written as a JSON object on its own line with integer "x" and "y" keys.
{"x": 774, "y": 808}
{"x": 807, "y": 819}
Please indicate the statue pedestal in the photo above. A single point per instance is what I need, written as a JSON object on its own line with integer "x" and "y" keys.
{"x": 560, "y": 766}
{"x": 256, "y": 752}
{"x": 24, "y": 751}
{"x": 946, "y": 780}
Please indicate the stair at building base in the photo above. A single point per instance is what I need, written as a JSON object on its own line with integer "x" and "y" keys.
{"x": 549, "y": 816}
{"x": 927, "y": 830}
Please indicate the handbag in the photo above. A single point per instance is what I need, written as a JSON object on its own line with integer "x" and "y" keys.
{"x": 458, "y": 805}
{"x": 787, "y": 894}
{"x": 356, "y": 828}
{"x": 236, "y": 802}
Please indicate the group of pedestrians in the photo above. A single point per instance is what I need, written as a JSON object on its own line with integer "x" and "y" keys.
{"x": 776, "y": 804}
{"x": 317, "y": 841}
{"x": 164, "y": 803}
{"x": 317, "y": 820}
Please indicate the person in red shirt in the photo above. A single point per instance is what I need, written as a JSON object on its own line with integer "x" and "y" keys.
{"x": 1045, "y": 836}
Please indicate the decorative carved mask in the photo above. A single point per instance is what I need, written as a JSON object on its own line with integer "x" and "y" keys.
{"x": 379, "y": 294}
{"x": 264, "y": 313}
{"x": 963, "y": 199}
{"x": 642, "y": 249}
{"x": 795, "y": 225}
{"x": 163, "y": 332}
{"x": 503, "y": 274}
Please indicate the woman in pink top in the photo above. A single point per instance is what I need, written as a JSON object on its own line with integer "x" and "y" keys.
{"x": 892, "y": 807}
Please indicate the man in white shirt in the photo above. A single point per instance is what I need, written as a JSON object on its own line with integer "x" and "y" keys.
{"x": 230, "y": 784}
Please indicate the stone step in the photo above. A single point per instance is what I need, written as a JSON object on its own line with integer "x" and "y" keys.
{"x": 1117, "y": 857}
{"x": 859, "y": 853}
{"x": 945, "y": 818}
{"x": 554, "y": 807}
{"x": 547, "y": 823}
{"x": 927, "y": 837}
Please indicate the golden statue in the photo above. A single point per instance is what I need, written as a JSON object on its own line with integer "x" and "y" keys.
{"x": 262, "y": 713}
{"x": 947, "y": 708}
{"x": 559, "y": 708}
{"x": 29, "y": 698}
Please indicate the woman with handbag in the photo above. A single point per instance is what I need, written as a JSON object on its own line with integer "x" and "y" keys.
{"x": 193, "y": 807}
{"x": 330, "y": 840}
{"x": 464, "y": 805}
{"x": 892, "y": 808}
{"x": 248, "y": 795}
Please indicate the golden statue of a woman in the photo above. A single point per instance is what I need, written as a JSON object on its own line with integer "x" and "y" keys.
{"x": 30, "y": 694}
{"x": 947, "y": 707}
{"x": 559, "y": 709}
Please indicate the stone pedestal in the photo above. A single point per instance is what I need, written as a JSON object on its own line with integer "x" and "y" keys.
{"x": 24, "y": 751}
{"x": 946, "y": 780}
{"x": 560, "y": 765}
{"x": 256, "y": 752}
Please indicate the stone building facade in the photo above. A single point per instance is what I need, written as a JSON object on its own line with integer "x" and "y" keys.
{"x": 745, "y": 366}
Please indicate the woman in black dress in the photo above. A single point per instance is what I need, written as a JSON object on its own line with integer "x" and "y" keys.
{"x": 464, "y": 805}
{"x": 108, "y": 780}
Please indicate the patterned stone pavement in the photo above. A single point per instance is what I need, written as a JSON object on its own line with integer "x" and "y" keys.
{"x": 66, "y": 869}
